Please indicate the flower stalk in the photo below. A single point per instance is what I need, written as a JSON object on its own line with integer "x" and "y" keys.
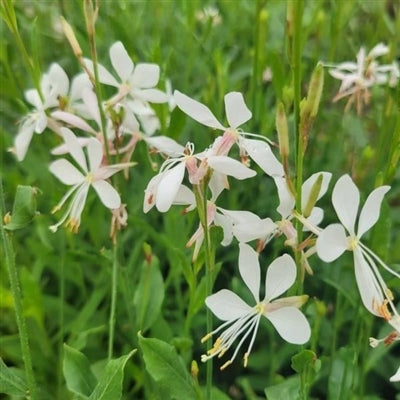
{"x": 9, "y": 258}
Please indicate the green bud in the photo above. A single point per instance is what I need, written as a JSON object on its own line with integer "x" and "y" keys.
{"x": 315, "y": 190}
{"x": 282, "y": 128}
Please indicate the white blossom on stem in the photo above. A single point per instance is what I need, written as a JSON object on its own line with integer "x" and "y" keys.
{"x": 237, "y": 114}
{"x": 333, "y": 241}
{"x": 93, "y": 174}
{"x": 242, "y": 319}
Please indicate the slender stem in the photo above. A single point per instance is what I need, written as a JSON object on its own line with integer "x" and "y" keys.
{"x": 201, "y": 202}
{"x": 113, "y": 306}
{"x": 9, "y": 258}
{"x": 11, "y": 20}
{"x": 296, "y": 71}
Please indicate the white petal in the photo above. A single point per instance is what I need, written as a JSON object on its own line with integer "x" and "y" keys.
{"x": 227, "y": 305}
{"x": 23, "y": 139}
{"x": 331, "y": 242}
{"x": 316, "y": 216}
{"x": 286, "y": 199}
{"x": 168, "y": 187}
{"x": 291, "y": 324}
{"x": 73, "y": 120}
{"x": 379, "y": 50}
{"x": 252, "y": 230}
{"x": 309, "y": 183}
{"x": 231, "y": 167}
{"x": 104, "y": 76}
{"x": 108, "y": 195}
{"x": 184, "y": 196}
{"x": 145, "y": 75}
{"x": 226, "y": 224}
{"x": 199, "y": 112}
{"x": 371, "y": 294}
{"x": 59, "y": 78}
{"x": 396, "y": 376}
{"x": 249, "y": 268}
{"x": 371, "y": 210}
{"x": 345, "y": 200}
{"x": 165, "y": 145}
{"x": 150, "y": 193}
{"x": 90, "y": 100}
{"x": 151, "y": 95}
{"x": 74, "y": 147}
{"x": 95, "y": 153}
{"x": 79, "y": 82}
{"x": 281, "y": 275}
{"x": 260, "y": 152}
{"x": 32, "y": 97}
{"x": 236, "y": 110}
{"x": 121, "y": 61}
{"x": 66, "y": 172}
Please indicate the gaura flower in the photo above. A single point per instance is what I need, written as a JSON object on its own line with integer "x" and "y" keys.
{"x": 237, "y": 114}
{"x": 164, "y": 187}
{"x": 242, "y": 319}
{"x": 92, "y": 174}
{"x": 333, "y": 241}
{"x": 358, "y": 77}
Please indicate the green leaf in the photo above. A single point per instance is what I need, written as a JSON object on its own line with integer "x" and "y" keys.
{"x": 149, "y": 294}
{"x": 78, "y": 375}
{"x": 167, "y": 369}
{"x": 303, "y": 360}
{"x": 10, "y": 382}
{"x": 288, "y": 389}
{"x": 110, "y": 383}
{"x": 24, "y": 208}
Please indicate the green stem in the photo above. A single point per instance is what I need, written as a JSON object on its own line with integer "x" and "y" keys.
{"x": 296, "y": 71}
{"x": 113, "y": 306}
{"x": 201, "y": 202}
{"x": 9, "y": 258}
{"x": 11, "y": 20}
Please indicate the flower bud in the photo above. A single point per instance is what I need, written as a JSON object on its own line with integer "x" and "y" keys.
{"x": 70, "y": 35}
{"x": 315, "y": 190}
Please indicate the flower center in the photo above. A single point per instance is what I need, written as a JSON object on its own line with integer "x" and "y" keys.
{"x": 353, "y": 242}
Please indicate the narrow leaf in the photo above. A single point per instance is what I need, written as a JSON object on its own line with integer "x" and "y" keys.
{"x": 10, "y": 383}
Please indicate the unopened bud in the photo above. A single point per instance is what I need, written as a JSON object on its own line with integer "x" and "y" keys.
{"x": 314, "y": 194}
{"x": 194, "y": 369}
{"x": 70, "y": 35}
{"x": 315, "y": 89}
{"x": 282, "y": 128}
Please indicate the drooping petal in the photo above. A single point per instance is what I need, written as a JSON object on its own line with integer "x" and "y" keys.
{"x": 368, "y": 286}
{"x": 236, "y": 110}
{"x": 371, "y": 210}
{"x": 108, "y": 195}
{"x": 73, "y": 120}
{"x": 66, "y": 172}
{"x": 150, "y": 193}
{"x": 184, "y": 196}
{"x": 227, "y": 305}
{"x": 331, "y": 242}
{"x": 95, "y": 153}
{"x": 231, "y": 167}
{"x": 121, "y": 61}
{"x": 23, "y": 139}
{"x": 145, "y": 75}
{"x": 291, "y": 324}
{"x": 198, "y": 111}
{"x": 260, "y": 152}
{"x": 74, "y": 148}
{"x": 168, "y": 187}
{"x": 249, "y": 268}
{"x": 286, "y": 199}
{"x": 281, "y": 275}
{"x": 345, "y": 200}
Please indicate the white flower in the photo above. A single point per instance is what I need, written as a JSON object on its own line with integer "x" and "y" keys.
{"x": 164, "y": 187}
{"x": 396, "y": 376}
{"x": 237, "y": 114}
{"x": 242, "y": 319}
{"x": 358, "y": 77}
{"x": 54, "y": 84}
{"x": 136, "y": 81}
{"x": 93, "y": 174}
{"x": 333, "y": 241}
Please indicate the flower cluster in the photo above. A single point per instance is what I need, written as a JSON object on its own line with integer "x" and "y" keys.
{"x": 109, "y": 131}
